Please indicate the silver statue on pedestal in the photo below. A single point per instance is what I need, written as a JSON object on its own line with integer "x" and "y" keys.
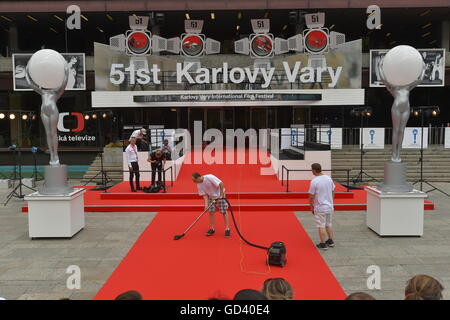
{"x": 395, "y": 170}
{"x": 400, "y": 111}
{"x": 50, "y": 113}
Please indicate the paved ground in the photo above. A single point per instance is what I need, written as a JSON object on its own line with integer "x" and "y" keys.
{"x": 37, "y": 269}
{"x": 399, "y": 258}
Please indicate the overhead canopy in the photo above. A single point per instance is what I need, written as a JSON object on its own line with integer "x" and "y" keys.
{"x": 151, "y": 5}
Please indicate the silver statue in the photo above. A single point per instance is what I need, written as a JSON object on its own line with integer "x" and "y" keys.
{"x": 400, "y": 110}
{"x": 50, "y": 113}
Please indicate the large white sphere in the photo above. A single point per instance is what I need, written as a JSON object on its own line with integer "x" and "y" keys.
{"x": 46, "y": 68}
{"x": 402, "y": 65}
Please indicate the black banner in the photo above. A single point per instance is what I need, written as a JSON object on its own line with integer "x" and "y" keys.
{"x": 214, "y": 97}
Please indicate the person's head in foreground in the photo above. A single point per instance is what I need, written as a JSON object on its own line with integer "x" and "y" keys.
{"x": 423, "y": 287}
{"x": 133, "y": 141}
{"x": 249, "y": 294}
{"x": 158, "y": 153}
{"x": 316, "y": 169}
{"x": 277, "y": 289}
{"x": 129, "y": 295}
{"x": 360, "y": 296}
{"x": 197, "y": 177}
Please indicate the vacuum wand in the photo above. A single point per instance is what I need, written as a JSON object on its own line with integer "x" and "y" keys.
{"x": 179, "y": 236}
{"x": 276, "y": 252}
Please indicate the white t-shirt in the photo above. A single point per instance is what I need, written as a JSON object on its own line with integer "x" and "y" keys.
{"x": 209, "y": 186}
{"x": 137, "y": 134}
{"x": 322, "y": 188}
{"x": 132, "y": 154}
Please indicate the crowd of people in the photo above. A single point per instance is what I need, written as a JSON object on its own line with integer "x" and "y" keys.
{"x": 420, "y": 287}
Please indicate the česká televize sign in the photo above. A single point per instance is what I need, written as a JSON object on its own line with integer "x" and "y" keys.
{"x": 227, "y": 97}
{"x": 119, "y": 74}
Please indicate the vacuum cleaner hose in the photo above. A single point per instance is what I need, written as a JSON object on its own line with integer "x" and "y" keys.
{"x": 239, "y": 232}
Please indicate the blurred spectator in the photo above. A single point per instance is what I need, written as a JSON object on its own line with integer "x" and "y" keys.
{"x": 129, "y": 295}
{"x": 249, "y": 294}
{"x": 277, "y": 289}
{"x": 167, "y": 151}
{"x": 360, "y": 296}
{"x": 423, "y": 287}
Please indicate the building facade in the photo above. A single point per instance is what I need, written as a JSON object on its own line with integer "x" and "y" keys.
{"x": 98, "y": 110}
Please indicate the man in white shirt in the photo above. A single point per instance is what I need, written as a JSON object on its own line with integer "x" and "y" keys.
{"x": 321, "y": 195}
{"x": 131, "y": 153}
{"x": 212, "y": 188}
{"x": 139, "y": 135}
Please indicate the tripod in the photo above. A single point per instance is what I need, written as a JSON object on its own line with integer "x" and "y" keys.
{"x": 17, "y": 191}
{"x": 422, "y": 180}
{"x": 103, "y": 185}
{"x": 360, "y": 176}
{"x": 13, "y": 175}
{"x": 36, "y": 174}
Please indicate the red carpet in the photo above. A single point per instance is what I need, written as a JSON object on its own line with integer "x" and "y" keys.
{"x": 244, "y": 184}
{"x": 197, "y": 267}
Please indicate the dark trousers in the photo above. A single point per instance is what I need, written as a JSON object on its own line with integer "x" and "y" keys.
{"x": 134, "y": 173}
{"x": 156, "y": 167}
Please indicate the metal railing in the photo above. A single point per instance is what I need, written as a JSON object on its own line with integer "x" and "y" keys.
{"x": 104, "y": 173}
{"x": 283, "y": 169}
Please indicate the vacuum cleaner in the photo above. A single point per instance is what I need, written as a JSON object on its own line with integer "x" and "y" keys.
{"x": 276, "y": 252}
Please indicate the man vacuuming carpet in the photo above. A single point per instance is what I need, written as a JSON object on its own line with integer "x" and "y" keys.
{"x": 212, "y": 188}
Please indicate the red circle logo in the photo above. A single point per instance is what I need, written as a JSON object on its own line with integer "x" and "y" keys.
{"x": 262, "y": 45}
{"x": 138, "y": 42}
{"x": 192, "y": 45}
{"x": 316, "y": 41}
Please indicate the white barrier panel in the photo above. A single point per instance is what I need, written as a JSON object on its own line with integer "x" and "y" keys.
{"x": 161, "y": 135}
{"x": 447, "y": 137}
{"x": 297, "y": 137}
{"x": 373, "y": 138}
{"x": 292, "y": 137}
{"x": 285, "y": 138}
{"x": 413, "y": 138}
{"x": 332, "y": 136}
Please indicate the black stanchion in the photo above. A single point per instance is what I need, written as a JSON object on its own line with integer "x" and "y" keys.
{"x": 359, "y": 179}
{"x": 307, "y": 170}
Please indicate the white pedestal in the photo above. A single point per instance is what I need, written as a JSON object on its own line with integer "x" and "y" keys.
{"x": 55, "y": 216}
{"x": 395, "y": 214}
{"x": 5, "y": 183}
{"x": 29, "y": 182}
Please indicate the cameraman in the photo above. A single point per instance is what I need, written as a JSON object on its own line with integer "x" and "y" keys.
{"x": 139, "y": 134}
{"x": 157, "y": 160}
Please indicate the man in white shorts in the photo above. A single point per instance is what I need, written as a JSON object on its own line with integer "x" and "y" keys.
{"x": 321, "y": 195}
{"x": 212, "y": 188}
